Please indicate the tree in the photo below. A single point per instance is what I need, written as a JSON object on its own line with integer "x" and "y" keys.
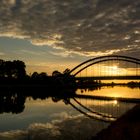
{"x": 12, "y": 69}
{"x": 66, "y": 71}
{"x": 43, "y": 75}
{"x": 19, "y": 69}
{"x": 35, "y": 75}
{"x": 1, "y": 68}
{"x": 56, "y": 73}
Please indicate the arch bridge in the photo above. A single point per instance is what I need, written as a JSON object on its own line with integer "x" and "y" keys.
{"x": 108, "y": 68}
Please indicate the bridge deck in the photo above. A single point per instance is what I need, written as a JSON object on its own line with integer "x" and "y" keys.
{"x": 109, "y": 78}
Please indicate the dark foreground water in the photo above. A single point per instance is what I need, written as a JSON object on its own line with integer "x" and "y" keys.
{"x": 54, "y": 118}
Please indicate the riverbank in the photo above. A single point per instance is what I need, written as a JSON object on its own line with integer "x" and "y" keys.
{"x": 125, "y": 128}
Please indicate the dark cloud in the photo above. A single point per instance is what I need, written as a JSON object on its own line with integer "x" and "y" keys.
{"x": 83, "y": 27}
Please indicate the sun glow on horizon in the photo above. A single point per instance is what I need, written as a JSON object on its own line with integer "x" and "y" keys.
{"x": 104, "y": 70}
{"x": 114, "y": 67}
{"x": 114, "y": 70}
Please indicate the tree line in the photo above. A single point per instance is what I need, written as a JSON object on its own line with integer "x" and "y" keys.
{"x": 14, "y": 72}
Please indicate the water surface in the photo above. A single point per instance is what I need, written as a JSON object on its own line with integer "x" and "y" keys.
{"x": 54, "y": 118}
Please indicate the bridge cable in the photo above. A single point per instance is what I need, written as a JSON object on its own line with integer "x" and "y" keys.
{"x": 100, "y": 117}
{"x": 98, "y": 113}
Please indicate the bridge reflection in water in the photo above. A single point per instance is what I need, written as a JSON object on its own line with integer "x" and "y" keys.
{"x": 96, "y": 107}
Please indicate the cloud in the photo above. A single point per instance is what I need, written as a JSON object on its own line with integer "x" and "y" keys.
{"x": 71, "y": 53}
{"x": 66, "y": 127}
{"x": 94, "y": 27}
{"x": 13, "y": 135}
{"x": 30, "y": 52}
{"x": 1, "y": 53}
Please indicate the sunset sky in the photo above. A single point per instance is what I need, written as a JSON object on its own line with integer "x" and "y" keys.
{"x": 53, "y": 35}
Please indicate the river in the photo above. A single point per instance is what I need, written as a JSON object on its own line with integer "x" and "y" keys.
{"x": 55, "y": 118}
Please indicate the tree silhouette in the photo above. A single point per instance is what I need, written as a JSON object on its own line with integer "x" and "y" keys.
{"x": 1, "y": 68}
{"x": 66, "y": 71}
{"x": 56, "y": 73}
{"x": 35, "y": 75}
{"x": 19, "y": 69}
{"x": 13, "y": 73}
{"x": 12, "y": 69}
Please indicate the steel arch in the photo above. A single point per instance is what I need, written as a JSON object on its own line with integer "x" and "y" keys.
{"x": 103, "y": 59}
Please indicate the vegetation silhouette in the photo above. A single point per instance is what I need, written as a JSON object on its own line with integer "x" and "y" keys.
{"x": 13, "y": 73}
{"x": 12, "y": 69}
{"x": 12, "y": 100}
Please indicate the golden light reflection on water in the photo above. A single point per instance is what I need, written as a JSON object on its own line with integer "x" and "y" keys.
{"x": 117, "y": 91}
{"x": 95, "y": 102}
{"x": 119, "y": 81}
{"x": 115, "y": 102}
